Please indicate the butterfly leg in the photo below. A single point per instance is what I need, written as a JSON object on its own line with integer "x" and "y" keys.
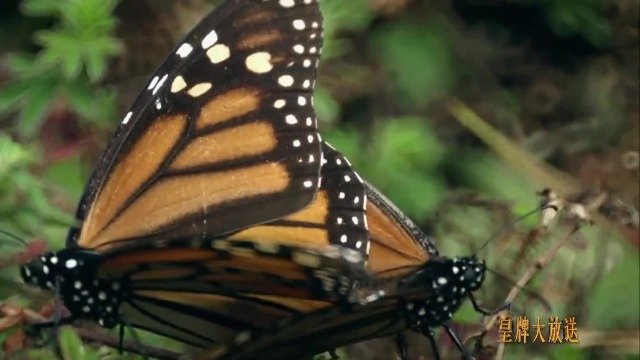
{"x": 432, "y": 342}
{"x": 487, "y": 312}
{"x": 56, "y": 312}
{"x": 401, "y": 343}
{"x": 457, "y": 342}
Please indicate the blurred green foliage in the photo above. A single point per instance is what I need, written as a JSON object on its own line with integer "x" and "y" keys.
{"x": 72, "y": 347}
{"x": 416, "y": 58}
{"x": 563, "y": 87}
{"x": 25, "y": 205}
{"x": 406, "y": 167}
{"x": 72, "y": 60}
{"x": 583, "y": 18}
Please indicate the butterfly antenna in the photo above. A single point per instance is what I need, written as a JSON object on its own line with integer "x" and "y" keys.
{"x": 513, "y": 223}
{"x": 13, "y": 237}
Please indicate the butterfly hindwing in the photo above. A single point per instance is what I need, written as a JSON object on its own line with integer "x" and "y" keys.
{"x": 335, "y": 217}
{"x": 210, "y": 294}
{"x": 223, "y": 136}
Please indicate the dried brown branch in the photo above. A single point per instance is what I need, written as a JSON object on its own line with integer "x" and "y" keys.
{"x": 576, "y": 215}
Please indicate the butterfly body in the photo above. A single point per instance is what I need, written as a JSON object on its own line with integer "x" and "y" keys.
{"x": 72, "y": 273}
{"x": 434, "y": 293}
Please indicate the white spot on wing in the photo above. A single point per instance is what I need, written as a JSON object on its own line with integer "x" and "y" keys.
{"x": 71, "y": 263}
{"x": 160, "y": 83}
{"x": 279, "y": 104}
{"x": 184, "y": 50}
{"x": 153, "y": 83}
{"x": 210, "y": 39}
{"x": 291, "y": 120}
{"x": 299, "y": 24}
{"x": 178, "y": 84}
{"x": 287, "y": 3}
{"x": 127, "y": 117}
{"x": 285, "y": 80}
{"x": 259, "y": 62}
{"x": 218, "y": 53}
{"x": 199, "y": 89}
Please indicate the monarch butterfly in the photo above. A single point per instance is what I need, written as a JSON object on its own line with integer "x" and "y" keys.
{"x": 216, "y": 202}
{"x": 415, "y": 288}
{"x": 207, "y": 215}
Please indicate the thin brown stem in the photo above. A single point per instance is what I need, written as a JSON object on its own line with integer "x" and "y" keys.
{"x": 576, "y": 215}
{"x": 533, "y": 269}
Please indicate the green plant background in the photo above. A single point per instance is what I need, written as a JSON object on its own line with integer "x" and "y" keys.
{"x": 559, "y": 78}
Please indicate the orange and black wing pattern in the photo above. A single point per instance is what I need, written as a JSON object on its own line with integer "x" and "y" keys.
{"x": 223, "y": 137}
{"x": 335, "y": 217}
{"x": 321, "y": 331}
{"x": 215, "y": 294}
{"x": 398, "y": 246}
{"x": 250, "y": 281}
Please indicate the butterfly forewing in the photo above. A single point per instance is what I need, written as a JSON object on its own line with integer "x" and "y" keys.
{"x": 250, "y": 280}
{"x": 223, "y": 137}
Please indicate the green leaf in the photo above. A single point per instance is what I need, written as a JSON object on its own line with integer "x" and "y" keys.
{"x": 349, "y": 142}
{"x": 81, "y": 96}
{"x": 410, "y": 139}
{"x": 340, "y": 15}
{"x": 343, "y": 16}
{"x": 68, "y": 175}
{"x": 416, "y": 58}
{"x": 568, "y": 352}
{"x": 326, "y": 107}
{"x": 21, "y": 63}
{"x": 106, "y": 105}
{"x": 615, "y": 312}
{"x": 39, "y": 96}
{"x": 13, "y": 156}
{"x": 41, "y": 7}
{"x": 584, "y": 18}
{"x": 11, "y": 94}
{"x": 71, "y": 346}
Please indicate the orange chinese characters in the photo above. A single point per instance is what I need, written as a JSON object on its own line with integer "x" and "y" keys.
{"x": 522, "y": 329}
{"x": 570, "y": 330}
{"x": 554, "y": 330}
{"x": 538, "y": 326}
{"x": 505, "y": 330}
